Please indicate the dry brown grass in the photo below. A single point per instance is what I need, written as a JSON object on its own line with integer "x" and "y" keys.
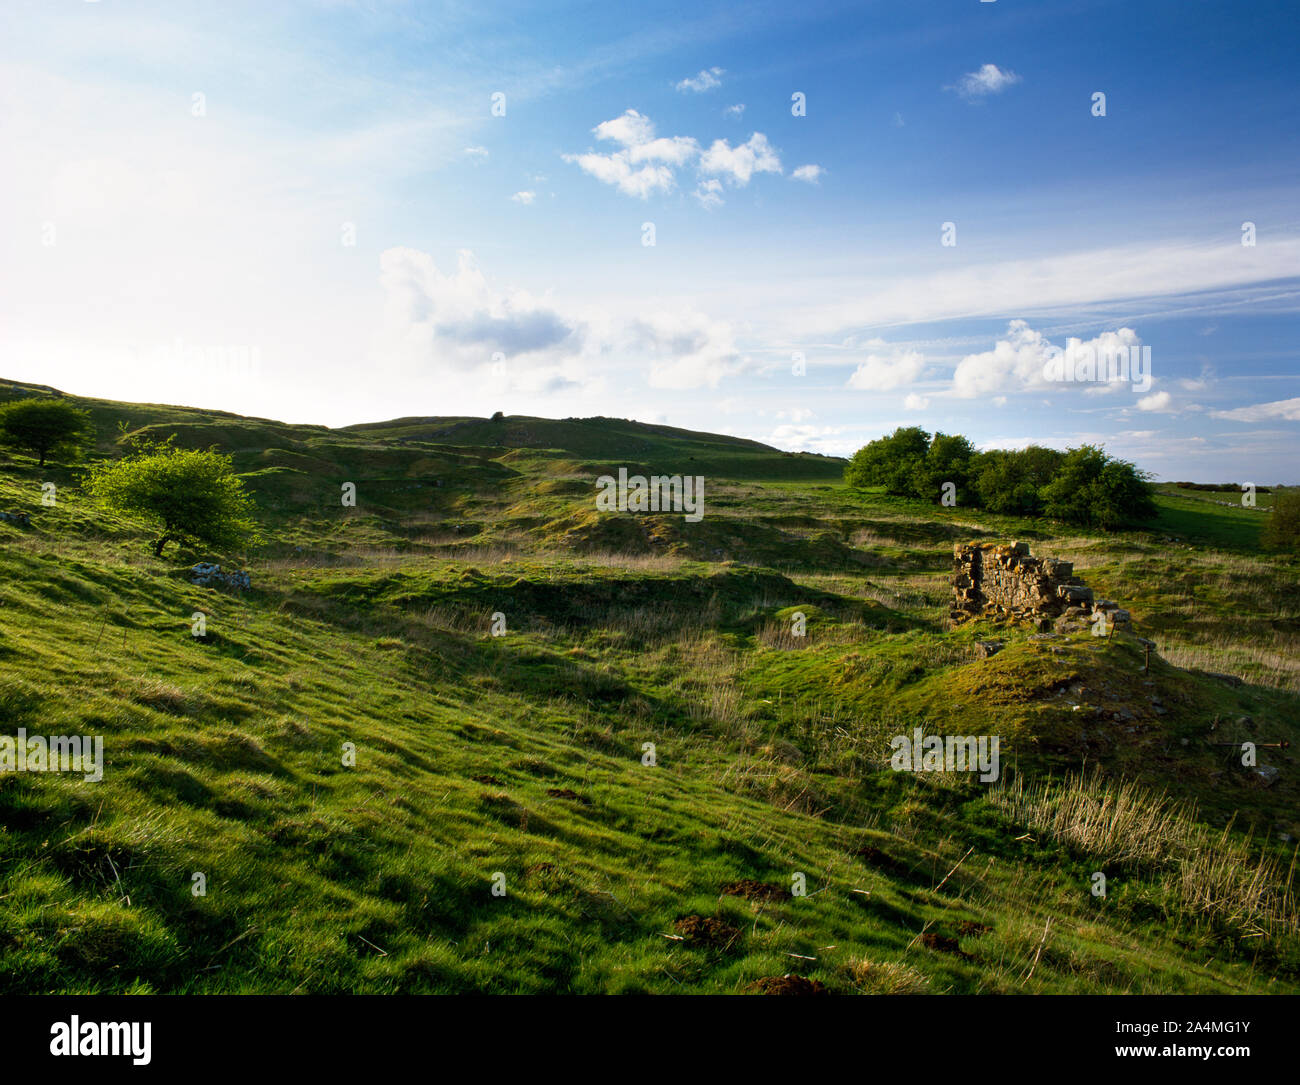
{"x": 1271, "y": 658}
{"x": 711, "y": 686}
{"x": 886, "y": 977}
{"x": 159, "y": 695}
{"x": 1219, "y": 877}
{"x": 769, "y": 776}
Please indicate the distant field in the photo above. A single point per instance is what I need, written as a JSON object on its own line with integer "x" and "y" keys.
{"x": 1217, "y": 517}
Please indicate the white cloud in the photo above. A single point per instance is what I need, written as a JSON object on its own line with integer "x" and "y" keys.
{"x": 458, "y": 321}
{"x": 987, "y": 79}
{"x": 858, "y": 342}
{"x": 646, "y": 163}
{"x": 913, "y": 402}
{"x": 674, "y": 150}
{"x": 526, "y": 197}
{"x": 687, "y": 350}
{"x": 630, "y": 129}
{"x": 475, "y": 153}
{"x": 451, "y": 325}
{"x": 803, "y": 438}
{"x": 614, "y": 169}
{"x": 1287, "y": 410}
{"x": 734, "y": 110}
{"x": 1060, "y": 284}
{"x": 709, "y": 193}
{"x": 741, "y": 162}
{"x": 810, "y": 173}
{"x": 1017, "y": 362}
{"x": 1014, "y": 443}
{"x": 1156, "y": 401}
{"x": 706, "y": 80}
{"x": 879, "y": 373}
{"x": 1017, "y": 359}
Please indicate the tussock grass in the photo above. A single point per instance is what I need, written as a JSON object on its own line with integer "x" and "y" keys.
{"x": 886, "y": 978}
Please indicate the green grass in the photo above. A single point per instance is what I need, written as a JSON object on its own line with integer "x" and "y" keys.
{"x": 522, "y": 755}
{"x": 1217, "y": 518}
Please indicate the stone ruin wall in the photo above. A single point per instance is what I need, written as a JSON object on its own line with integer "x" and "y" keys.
{"x": 1007, "y": 581}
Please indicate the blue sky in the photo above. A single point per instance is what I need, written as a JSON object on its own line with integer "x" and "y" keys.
{"x": 312, "y": 212}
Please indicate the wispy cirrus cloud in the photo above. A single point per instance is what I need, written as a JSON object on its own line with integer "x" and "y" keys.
{"x": 1195, "y": 276}
{"x": 1283, "y": 410}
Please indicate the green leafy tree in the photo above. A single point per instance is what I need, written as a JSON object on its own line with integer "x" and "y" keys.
{"x": 948, "y": 459}
{"x": 1282, "y": 529}
{"x": 193, "y": 496}
{"x": 1011, "y": 482}
{"x": 890, "y": 461}
{"x": 1093, "y": 489}
{"x": 45, "y": 427}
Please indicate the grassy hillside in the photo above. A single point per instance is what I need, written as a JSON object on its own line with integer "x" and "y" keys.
{"x": 519, "y": 760}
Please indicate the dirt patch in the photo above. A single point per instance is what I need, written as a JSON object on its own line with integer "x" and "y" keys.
{"x": 941, "y": 943}
{"x": 567, "y": 793}
{"x": 502, "y": 807}
{"x": 539, "y": 869}
{"x": 873, "y": 856}
{"x": 752, "y": 890}
{"x": 968, "y": 928}
{"x": 699, "y": 930}
{"x": 485, "y": 779}
{"x": 788, "y": 984}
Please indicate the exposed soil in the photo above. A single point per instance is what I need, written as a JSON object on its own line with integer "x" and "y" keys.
{"x": 567, "y": 793}
{"x": 941, "y": 943}
{"x": 752, "y": 890}
{"x": 699, "y": 930}
{"x": 788, "y": 984}
{"x": 873, "y": 856}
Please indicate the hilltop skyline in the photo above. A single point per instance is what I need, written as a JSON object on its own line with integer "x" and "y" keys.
{"x": 343, "y": 213}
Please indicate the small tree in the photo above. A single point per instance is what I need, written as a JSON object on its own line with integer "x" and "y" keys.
{"x": 1011, "y": 481}
{"x": 890, "y": 461}
{"x": 1282, "y": 530}
{"x": 947, "y": 460}
{"x": 45, "y": 427}
{"x": 193, "y": 496}
{"x": 1092, "y": 489}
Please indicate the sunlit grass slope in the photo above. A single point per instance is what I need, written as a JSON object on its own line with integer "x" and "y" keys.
{"x": 522, "y": 761}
